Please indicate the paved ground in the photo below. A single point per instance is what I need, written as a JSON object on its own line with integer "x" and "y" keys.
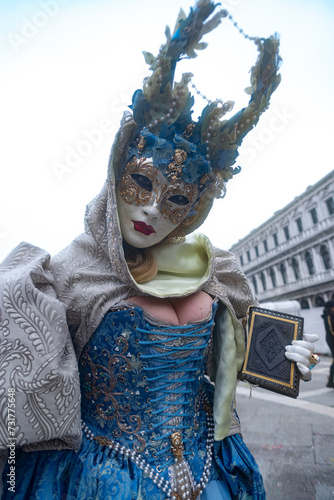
{"x": 292, "y": 440}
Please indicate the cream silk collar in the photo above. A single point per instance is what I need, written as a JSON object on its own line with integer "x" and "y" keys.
{"x": 183, "y": 268}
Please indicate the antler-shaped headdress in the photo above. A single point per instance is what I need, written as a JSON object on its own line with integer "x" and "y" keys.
{"x": 164, "y": 107}
{"x": 162, "y": 110}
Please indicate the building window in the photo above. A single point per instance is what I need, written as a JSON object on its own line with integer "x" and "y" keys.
{"x": 309, "y": 262}
{"x": 330, "y": 205}
{"x": 248, "y": 256}
{"x": 286, "y": 232}
{"x": 299, "y": 223}
{"x": 263, "y": 280}
{"x": 255, "y": 284}
{"x": 273, "y": 277}
{"x": 241, "y": 260}
{"x": 283, "y": 273}
{"x": 275, "y": 239}
{"x": 256, "y": 250}
{"x": 325, "y": 257}
{"x": 295, "y": 267}
{"x": 265, "y": 245}
{"x": 314, "y": 215}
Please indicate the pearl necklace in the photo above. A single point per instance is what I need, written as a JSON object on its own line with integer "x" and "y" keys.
{"x": 182, "y": 484}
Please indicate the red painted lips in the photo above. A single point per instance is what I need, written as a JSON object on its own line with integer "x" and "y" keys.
{"x": 143, "y": 228}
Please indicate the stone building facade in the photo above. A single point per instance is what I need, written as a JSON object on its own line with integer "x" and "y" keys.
{"x": 291, "y": 255}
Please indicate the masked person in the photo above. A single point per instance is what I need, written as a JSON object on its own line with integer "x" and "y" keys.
{"x": 328, "y": 317}
{"x": 123, "y": 351}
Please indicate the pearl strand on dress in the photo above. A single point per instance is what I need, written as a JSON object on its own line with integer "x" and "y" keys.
{"x": 189, "y": 490}
{"x": 132, "y": 455}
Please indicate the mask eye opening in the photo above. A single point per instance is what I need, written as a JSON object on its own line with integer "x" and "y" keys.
{"x": 179, "y": 199}
{"x": 142, "y": 181}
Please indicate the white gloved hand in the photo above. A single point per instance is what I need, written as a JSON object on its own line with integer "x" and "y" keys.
{"x": 301, "y": 351}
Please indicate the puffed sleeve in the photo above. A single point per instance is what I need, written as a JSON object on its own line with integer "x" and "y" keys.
{"x": 39, "y": 382}
{"x": 234, "y": 282}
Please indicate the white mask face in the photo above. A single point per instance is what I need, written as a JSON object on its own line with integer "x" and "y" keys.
{"x": 149, "y": 206}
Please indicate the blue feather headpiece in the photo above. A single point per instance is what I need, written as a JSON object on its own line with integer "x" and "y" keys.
{"x": 163, "y": 108}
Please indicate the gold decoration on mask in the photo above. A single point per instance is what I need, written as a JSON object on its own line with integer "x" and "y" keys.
{"x": 174, "y": 169}
{"x": 177, "y": 213}
{"x": 141, "y": 144}
{"x": 204, "y": 180}
{"x": 162, "y": 193}
{"x": 180, "y": 156}
{"x": 129, "y": 189}
{"x": 189, "y": 130}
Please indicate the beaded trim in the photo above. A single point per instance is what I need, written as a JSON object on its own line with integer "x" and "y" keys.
{"x": 182, "y": 484}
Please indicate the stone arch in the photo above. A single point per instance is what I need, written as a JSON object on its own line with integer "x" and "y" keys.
{"x": 304, "y": 304}
{"x": 319, "y": 301}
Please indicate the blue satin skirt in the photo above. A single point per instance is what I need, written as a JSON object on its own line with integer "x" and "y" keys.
{"x": 97, "y": 473}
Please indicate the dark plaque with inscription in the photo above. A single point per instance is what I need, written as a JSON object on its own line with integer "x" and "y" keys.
{"x": 265, "y": 364}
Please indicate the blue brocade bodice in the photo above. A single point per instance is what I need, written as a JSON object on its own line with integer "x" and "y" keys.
{"x": 141, "y": 382}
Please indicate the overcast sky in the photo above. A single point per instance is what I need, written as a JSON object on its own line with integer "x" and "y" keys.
{"x": 68, "y": 71}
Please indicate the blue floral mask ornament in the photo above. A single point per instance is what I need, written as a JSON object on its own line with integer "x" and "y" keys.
{"x": 204, "y": 151}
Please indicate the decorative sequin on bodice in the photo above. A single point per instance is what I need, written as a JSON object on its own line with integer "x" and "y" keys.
{"x": 141, "y": 382}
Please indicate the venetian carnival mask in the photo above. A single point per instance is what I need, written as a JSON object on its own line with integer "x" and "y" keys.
{"x": 152, "y": 203}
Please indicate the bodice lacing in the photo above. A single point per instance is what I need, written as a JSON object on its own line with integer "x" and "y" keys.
{"x": 174, "y": 374}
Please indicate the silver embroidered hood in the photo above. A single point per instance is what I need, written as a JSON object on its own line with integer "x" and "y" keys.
{"x": 51, "y": 307}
